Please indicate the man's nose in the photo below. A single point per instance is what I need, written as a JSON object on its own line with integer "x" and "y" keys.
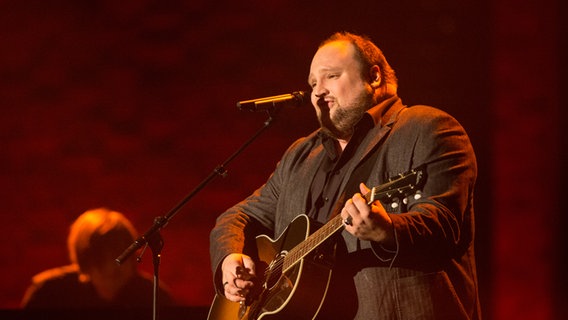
{"x": 320, "y": 91}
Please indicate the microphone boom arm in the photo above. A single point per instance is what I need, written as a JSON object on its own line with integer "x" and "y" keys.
{"x": 162, "y": 221}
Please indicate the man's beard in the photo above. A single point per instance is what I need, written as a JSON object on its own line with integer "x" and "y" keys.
{"x": 344, "y": 119}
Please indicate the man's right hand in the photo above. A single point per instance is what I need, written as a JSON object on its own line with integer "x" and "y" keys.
{"x": 238, "y": 274}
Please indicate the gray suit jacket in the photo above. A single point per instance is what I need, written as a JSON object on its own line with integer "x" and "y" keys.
{"x": 431, "y": 274}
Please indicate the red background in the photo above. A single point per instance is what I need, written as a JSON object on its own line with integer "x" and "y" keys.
{"x": 131, "y": 104}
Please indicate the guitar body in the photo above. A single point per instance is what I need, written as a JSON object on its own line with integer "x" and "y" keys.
{"x": 296, "y": 293}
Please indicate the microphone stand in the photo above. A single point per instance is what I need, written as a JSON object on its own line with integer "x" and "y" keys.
{"x": 152, "y": 236}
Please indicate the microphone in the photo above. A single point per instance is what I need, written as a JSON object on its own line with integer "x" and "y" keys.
{"x": 294, "y": 99}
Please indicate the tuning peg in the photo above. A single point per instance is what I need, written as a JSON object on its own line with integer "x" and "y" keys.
{"x": 395, "y": 203}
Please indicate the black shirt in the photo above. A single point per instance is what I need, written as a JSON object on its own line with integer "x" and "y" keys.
{"x": 324, "y": 191}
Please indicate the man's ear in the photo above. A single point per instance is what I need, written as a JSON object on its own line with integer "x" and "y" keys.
{"x": 375, "y": 76}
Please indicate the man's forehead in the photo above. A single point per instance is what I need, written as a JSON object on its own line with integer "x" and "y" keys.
{"x": 339, "y": 47}
{"x": 333, "y": 55}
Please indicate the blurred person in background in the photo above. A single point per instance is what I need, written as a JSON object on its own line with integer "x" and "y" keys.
{"x": 94, "y": 279}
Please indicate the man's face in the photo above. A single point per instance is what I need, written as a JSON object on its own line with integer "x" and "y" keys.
{"x": 340, "y": 94}
{"x": 108, "y": 278}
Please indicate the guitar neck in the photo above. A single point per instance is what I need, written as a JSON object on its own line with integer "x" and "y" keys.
{"x": 312, "y": 242}
{"x": 319, "y": 236}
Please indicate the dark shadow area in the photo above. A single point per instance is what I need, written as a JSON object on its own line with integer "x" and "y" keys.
{"x": 561, "y": 285}
{"x": 170, "y": 313}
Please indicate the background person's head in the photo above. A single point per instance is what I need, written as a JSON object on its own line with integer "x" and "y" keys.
{"x": 95, "y": 239}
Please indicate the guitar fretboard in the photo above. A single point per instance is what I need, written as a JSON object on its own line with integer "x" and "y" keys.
{"x": 314, "y": 240}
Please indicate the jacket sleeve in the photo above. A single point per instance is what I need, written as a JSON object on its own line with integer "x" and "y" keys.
{"x": 438, "y": 223}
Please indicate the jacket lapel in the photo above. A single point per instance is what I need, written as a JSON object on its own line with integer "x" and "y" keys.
{"x": 376, "y": 135}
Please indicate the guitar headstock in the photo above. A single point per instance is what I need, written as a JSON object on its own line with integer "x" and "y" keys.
{"x": 398, "y": 187}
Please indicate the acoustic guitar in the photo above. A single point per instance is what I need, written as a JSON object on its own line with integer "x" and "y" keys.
{"x": 296, "y": 268}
